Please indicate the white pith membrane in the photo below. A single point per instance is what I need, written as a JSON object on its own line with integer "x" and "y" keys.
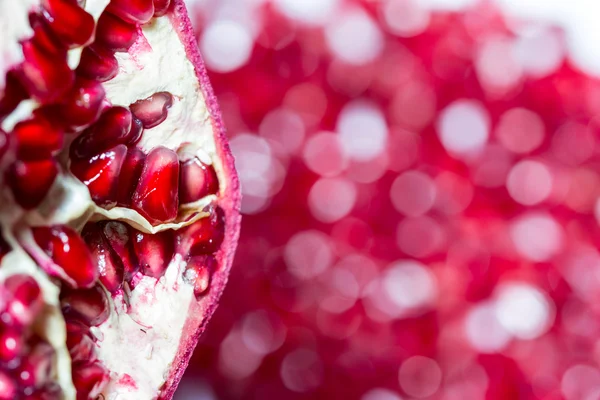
{"x": 139, "y": 342}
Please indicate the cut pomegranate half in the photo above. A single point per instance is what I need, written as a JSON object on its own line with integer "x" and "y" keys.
{"x": 120, "y": 202}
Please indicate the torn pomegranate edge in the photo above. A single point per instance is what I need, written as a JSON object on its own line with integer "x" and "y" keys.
{"x": 230, "y": 202}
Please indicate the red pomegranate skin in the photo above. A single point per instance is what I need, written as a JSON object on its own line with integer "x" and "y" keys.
{"x": 275, "y": 335}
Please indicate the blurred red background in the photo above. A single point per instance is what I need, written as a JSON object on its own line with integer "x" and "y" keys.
{"x": 421, "y": 183}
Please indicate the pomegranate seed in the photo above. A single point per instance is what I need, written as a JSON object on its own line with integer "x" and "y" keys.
{"x": 198, "y": 273}
{"x": 44, "y": 37}
{"x": 130, "y": 175}
{"x": 81, "y": 106}
{"x": 153, "y": 110}
{"x": 161, "y": 7}
{"x": 89, "y": 306}
{"x": 114, "y": 33}
{"x": 101, "y": 173}
{"x": 203, "y": 236}
{"x": 109, "y": 266}
{"x": 132, "y": 11}
{"x": 71, "y": 24}
{"x": 89, "y": 379}
{"x": 112, "y": 128}
{"x": 14, "y": 93}
{"x": 30, "y": 181}
{"x": 8, "y": 388}
{"x": 11, "y": 344}
{"x": 4, "y": 143}
{"x": 25, "y": 300}
{"x": 117, "y": 235}
{"x": 37, "y": 367}
{"x": 154, "y": 252}
{"x": 156, "y": 195}
{"x": 45, "y": 76}
{"x": 69, "y": 252}
{"x": 37, "y": 138}
{"x": 196, "y": 180}
{"x": 81, "y": 347}
{"x": 97, "y": 63}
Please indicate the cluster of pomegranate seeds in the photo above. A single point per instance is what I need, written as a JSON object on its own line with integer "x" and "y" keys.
{"x": 421, "y": 200}
{"x": 26, "y": 360}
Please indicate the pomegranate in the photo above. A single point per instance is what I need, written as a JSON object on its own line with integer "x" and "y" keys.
{"x": 120, "y": 202}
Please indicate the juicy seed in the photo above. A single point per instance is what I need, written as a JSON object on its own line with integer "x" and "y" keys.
{"x": 161, "y": 7}
{"x": 89, "y": 306}
{"x": 46, "y": 76}
{"x": 25, "y": 301}
{"x": 198, "y": 273}
{"x": 154, "y": 252}
{"x": 69, "y": 253}
{"x": 112, "y": 128}
{"x": 119, "y": 239}
{"x": 11, "y": 344}
{"x": 156, "y": 196}
{"x": 71, "y": 24}
{"x": 114, "y": 33}
{"x": 37, "y": 138}
{"x": 8, "y": 388}
{"x": 4, "y": 143}
{"x": 153, "y": 110}
{"x": 89, "y": 379}
{"x": 14, "y": 93}
{"x": 130, "y": 175}
{"x": 81, "y": 347}
{"x": 30, "y": 181}
{"x": 97, "y": 63}
{"x": 196, "y": 180}
{"x": 81, "y": 106}
{"x": 101, "y": 174}
{"x": 109, "y": 266}
{"x": 132, "y": 11}
{"x": 37, "y": 367}
{"x": 203, "y": 236}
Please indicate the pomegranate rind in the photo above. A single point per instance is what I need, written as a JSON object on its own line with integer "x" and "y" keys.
{"x": 229, "y": 200}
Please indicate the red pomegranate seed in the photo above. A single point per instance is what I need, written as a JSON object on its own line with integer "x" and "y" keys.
{"x": 30, "y": 181}
{"x": 198, "y": 273}
{"x": 8, "y": 388}
{"x": 196, "y": 180}
{"x": 156, "y": 195}
{"x": 109, "y": 266}
{"x": 154, "y": 252}
{"x": 130, "y": 175}
{"x": 37, "y": 138}
{"x": 69, "y": 252}
{"x": 153, "y": 110}
{"x": 81, "y": 106}
{"x": 114, "y": 33}
{"x": 37, "y": 366}
{"x": 112, "y": 128}
{"x": 203, "y": 236}
{"x": 4, "y": 143}
{"x": 89, "y": 306}
{"x": 81, "y": 347}
{"x": 89, "y": 379}
{"x": 97, "y": 63}
{"x": 14, "y": 93}
{"x": 44, "y": 37}
{"x": 132, "y": 11}
{"x": 25, "y": 301}
{"x": 101, "y": 174}
{"x": 161, "y": 7}
{"x": 46, "y": 76}
{"x": 71, "y": 24}
{"x": 118, "y": 236}
{"x": 11, "y": 344}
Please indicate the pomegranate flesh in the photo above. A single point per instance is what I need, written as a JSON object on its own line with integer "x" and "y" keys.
{"x": 119, "y": 210}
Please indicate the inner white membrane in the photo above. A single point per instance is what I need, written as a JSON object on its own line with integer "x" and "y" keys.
{"x": 139, "y": 342}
